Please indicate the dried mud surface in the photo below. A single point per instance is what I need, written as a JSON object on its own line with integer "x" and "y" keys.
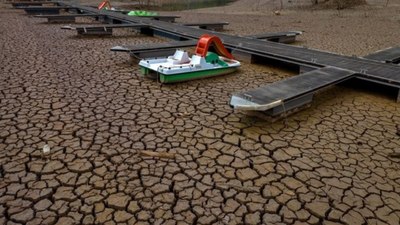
{"x": 328, "y": 165}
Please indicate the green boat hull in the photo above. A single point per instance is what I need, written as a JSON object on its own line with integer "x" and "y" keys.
{"x": 190, "y": 75}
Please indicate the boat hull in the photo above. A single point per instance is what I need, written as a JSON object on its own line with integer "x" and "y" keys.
{"x": 193, "y": 75}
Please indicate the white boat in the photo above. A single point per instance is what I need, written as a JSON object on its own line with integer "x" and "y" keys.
{"x": 180, "y": 67}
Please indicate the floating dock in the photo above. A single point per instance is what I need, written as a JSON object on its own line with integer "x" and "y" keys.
{"x": 322, "y": 69}
{"x": 291, "y": 93}
{"x": 165, "y": 49}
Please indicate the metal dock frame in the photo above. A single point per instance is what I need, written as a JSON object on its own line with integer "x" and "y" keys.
{"x": 68, "y": 18}
{"x": 387, "y": 74}
{"x": 45, "y": 10}
{"x": 101, "y": 30}
{"x": 165, "y": 49}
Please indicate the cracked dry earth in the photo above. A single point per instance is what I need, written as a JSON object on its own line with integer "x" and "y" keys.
{"x": 329, "y": 165}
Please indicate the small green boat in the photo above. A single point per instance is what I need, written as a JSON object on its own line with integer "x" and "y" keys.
{"x": 180, "y": 67}
{"x": 141, "y": 13}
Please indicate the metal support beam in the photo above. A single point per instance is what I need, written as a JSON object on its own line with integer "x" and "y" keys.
{"x": 152, "y": 53}
{"x": 154, "y": 50}
{"x": 208, "y": 26}
{"x": 33, "y": 3}
{"x": 170, "y": 19}
{"x": 287, "y": 39}
{"x": 287, "y": 107}
{"x": 101, "y": 30}
{"x": 61, "y": 19}
{"x": 41, "y": 10}
{"x": 68, "y": 18}
{"x": 243, "y": 56}
{"x": 169, "y": 35}
{"x": 280, "y": 37}
{"x": 305, "y": 69}
{"x": 147, "y": 31}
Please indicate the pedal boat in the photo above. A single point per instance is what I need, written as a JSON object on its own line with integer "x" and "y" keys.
{"x": 180, "y": 67}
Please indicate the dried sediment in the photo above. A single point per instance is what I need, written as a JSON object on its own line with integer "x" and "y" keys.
{"x": 330, "y": 164}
